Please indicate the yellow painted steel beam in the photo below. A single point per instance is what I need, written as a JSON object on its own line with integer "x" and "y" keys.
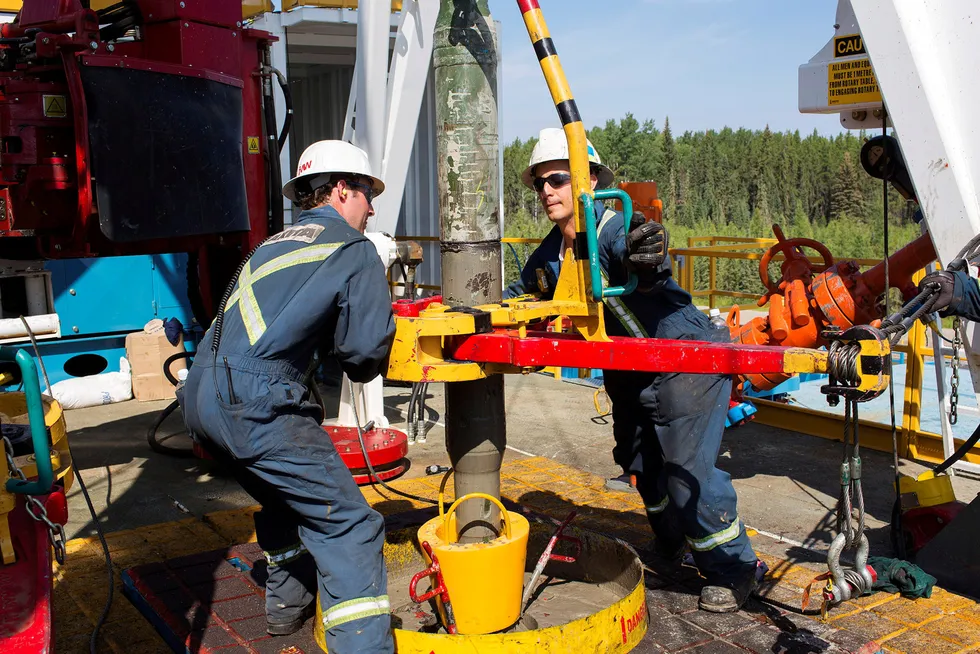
{"x": 252, "y": 8}
{"x": 921, "y": 446}
{"x": 729, "y": 252}
{"x": 396, "y": 5}
{"x": 735, "y": 294}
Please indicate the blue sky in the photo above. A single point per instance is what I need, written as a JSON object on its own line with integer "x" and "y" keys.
{"x": 704, "y": 63}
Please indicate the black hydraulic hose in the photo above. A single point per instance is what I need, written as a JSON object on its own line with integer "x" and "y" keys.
{"x": 420, "y": 410}
{"x": 375, "y": 479}
{"x": 411, "y": 402}
{"x": 968, "y": 252}
{"x": 959, "y": 453}
{"x": 174, "y": 357}
{"x": 277, "y": 209}
{"x": 276, "y": 206}
{"x": 157, "y": 446}
{"x": 151, "y": 433}
{"x": 287, "y": 97}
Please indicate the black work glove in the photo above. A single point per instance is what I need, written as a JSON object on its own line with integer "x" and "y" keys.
{"x": 946, "y": 283}
{"x": 646, "y": 247}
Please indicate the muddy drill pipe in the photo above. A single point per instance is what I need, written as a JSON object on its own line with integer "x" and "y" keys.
{"x": 465, "y": 64}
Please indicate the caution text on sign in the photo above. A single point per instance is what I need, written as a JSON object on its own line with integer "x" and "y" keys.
{"x": 852, "y": 82}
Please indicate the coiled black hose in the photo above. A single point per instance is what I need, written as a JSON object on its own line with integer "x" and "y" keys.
{"x": 151, "y": 433}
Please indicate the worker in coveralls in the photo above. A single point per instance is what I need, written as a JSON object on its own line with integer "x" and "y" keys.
{"x": 668, "y": 427}
{"x": 317, "y": 286}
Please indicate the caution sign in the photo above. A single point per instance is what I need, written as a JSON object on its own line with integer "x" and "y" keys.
{"x": 55, "y": 106}
{"x": 849, "y": 46}
{"x": 851, "y": 82}
{"x": 253, "y": 144}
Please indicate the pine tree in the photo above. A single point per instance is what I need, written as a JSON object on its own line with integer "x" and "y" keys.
{"x": 846, "y": 196}
{"x": 760, "y": 226}
{"x": 669, "y": 166}
{"x": 799, "y": 226}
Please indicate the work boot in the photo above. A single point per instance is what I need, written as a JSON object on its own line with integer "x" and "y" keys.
{"x": 284, "y": 626}
{"x": 621, "y": 484}
{"x": 729, "y": 597}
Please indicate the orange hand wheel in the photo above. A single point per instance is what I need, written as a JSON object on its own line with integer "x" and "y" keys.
{"x": 790, "y": 247}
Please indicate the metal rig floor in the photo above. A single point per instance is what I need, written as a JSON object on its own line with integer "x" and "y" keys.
{"x": 160, "y": 508}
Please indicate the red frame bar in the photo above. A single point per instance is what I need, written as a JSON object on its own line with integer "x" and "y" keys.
{"x": 630, "y": 354}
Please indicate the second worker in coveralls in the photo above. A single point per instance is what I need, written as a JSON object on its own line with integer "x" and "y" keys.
{"x": 319, "y": 285}
{"x": 668, "y": 427}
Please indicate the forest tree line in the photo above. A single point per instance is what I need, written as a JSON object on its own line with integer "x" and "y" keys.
{"x": 733, "y": 183}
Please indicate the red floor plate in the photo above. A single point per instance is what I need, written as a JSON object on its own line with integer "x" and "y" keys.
{"x": 213, "y": 602}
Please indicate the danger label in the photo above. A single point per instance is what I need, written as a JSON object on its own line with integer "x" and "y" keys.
{"x": 849, "y": 46}
{"x": 629, "y": 624}
{"x": 253, "y": 144}
{"x": 55, "y": 106}
{"x": 852, "y": 82}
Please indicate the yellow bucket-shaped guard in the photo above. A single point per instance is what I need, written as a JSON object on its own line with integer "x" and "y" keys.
{"x": 485, "y": 580}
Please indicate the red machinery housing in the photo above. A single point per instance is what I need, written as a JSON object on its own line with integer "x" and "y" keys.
{"x": 137, "y": 129}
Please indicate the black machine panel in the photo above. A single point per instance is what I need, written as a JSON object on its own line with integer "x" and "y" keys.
{"x": 166, "y": 154}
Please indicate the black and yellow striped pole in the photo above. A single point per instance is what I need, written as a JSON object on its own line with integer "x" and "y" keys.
{"x": 571, "y": 120}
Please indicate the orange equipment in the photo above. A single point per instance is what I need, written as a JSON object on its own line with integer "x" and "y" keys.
{"x": 644, "y": 197}
{"x": 811, "y": 298}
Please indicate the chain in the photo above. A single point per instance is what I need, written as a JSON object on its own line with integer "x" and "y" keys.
{"x": 56, "y": 532}
{"x": 954, "y": 380}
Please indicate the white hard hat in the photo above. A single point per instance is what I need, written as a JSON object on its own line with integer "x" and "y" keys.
{"x": 332, "y": 158}
{"x": 553, "y": 146}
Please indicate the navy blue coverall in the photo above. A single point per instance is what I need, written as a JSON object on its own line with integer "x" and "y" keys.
{"x": 668, "y": 427}
{"x": 317, "y": 286}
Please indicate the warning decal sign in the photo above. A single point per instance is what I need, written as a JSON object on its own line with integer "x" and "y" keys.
{"x": 848, "y": 46}
{"x": 253, "y": 144}
{"x": 851, "y": 82}
{"x": 55, "y": 106}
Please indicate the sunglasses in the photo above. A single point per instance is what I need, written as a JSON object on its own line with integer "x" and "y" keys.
{"x": 366, "y": 189}
{"x": 556, "y": 180}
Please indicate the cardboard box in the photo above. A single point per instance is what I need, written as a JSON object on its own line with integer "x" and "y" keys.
{"x": 146, "y": 354}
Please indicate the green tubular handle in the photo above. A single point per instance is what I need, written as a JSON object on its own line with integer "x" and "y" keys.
{"x": 39, "y": 431}
{"x": 592, "y": 238}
